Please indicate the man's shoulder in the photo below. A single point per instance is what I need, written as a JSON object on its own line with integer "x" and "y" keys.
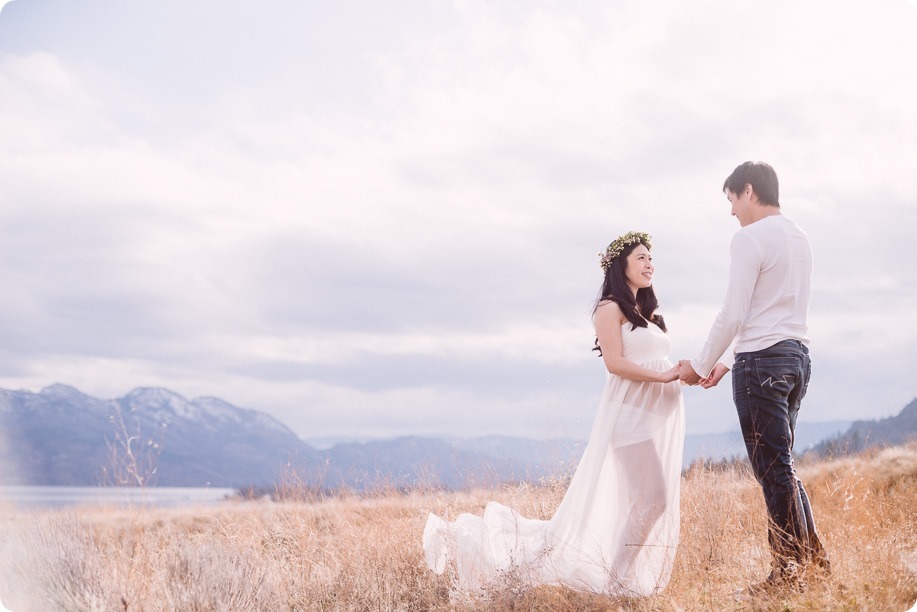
{"x": 775, "y": 238}
{"x": 770, "y": 227}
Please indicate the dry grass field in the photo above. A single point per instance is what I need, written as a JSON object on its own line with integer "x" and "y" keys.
{"x": 350, "y": 553}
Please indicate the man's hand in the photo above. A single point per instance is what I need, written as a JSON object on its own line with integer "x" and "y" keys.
{"x": 687, "y": 374}
{"x": 715, "y": 376}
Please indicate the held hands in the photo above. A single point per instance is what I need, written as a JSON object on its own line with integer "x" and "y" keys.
{"x": 687, "y": 374}
{"x": 670, "y": 375}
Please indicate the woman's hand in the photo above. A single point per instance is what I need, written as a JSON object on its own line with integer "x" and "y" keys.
{"x": 670, "y": 374}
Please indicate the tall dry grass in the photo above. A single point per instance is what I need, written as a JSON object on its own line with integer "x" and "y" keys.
{"x": 349, "y": 553}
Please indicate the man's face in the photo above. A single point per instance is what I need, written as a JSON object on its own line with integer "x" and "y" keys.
{"x": 741, "y": 205}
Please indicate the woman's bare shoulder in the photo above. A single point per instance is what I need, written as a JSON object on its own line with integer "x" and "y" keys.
{"x": 608, "y": 306}
{"x": 609, "y": 310}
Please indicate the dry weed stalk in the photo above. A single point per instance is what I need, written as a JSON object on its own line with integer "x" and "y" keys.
{"x": 132, "y": 456}
{"x": 347, "y": 552}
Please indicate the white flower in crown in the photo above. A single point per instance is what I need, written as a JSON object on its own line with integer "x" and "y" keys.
{"x": 617, "y": 247}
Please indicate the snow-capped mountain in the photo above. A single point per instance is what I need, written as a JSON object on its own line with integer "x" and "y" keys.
{"x": 61, "y": 436}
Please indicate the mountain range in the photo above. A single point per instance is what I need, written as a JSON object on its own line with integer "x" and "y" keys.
{"x": 890, "y": 431}
{"x": 61, "y": 436}
{"x": 155, "y": 437}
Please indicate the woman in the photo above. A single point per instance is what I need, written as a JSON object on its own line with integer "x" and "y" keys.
{"x": 616, "y": 530}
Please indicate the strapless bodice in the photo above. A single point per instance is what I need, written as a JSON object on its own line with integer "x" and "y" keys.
{"x": 645, "y": 344}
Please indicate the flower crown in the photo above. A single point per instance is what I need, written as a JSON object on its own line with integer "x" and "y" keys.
{"x": 617, "y": 247}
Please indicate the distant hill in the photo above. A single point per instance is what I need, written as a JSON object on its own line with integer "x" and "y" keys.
{"x": 413, "y": 460}
{"x": 861, "y": 435}
{"x": 61, "y": 436}
{"x": 729, "y": 444}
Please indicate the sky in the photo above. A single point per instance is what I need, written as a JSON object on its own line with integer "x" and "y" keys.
{"x": 382, "y": 219}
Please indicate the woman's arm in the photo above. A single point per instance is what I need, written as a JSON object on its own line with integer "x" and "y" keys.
{"x": 608, "y": 322}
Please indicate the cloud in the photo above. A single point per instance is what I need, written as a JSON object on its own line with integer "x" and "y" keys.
{"x": 387, "y": 220}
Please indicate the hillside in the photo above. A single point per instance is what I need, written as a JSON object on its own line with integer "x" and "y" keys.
{"x": 891, "y": 431}
{"x": 348, "y": 552}
{"x": 61, "y": 436}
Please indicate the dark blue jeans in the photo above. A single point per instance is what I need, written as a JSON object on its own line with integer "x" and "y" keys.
{"x": 768, "y": 386}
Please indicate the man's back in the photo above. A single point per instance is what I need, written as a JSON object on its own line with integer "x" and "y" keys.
{"x": 779, "y": 302}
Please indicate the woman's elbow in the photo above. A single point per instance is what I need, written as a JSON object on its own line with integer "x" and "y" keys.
{"x": 613, "y": 366}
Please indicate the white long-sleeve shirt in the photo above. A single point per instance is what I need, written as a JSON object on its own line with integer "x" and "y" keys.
{"x": 767, "y": 298}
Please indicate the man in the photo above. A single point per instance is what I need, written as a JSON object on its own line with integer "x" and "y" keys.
{"x": 764, "y": 314}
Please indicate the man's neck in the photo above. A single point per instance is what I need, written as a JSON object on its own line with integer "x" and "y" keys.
{"x": 760, "y": 211}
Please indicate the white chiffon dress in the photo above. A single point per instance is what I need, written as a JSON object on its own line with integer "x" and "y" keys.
{"x": 616, "y": 529}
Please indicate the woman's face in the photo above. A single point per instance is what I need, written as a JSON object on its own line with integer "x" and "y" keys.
{"x": 639, "y": 268}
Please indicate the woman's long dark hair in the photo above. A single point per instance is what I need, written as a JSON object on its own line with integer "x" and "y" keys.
{"x": 615, "y": 289}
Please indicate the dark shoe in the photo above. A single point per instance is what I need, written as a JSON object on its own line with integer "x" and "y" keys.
{"x": 819, "y": 565}
{"x": 782, "y": 580}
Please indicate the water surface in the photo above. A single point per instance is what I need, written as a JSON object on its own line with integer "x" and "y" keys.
{"x": 118, "y": 496}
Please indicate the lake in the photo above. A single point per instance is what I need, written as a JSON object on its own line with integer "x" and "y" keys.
{"x": 119, "y": 496}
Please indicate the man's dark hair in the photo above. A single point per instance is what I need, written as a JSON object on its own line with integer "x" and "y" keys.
{"x": 762, "y": 179}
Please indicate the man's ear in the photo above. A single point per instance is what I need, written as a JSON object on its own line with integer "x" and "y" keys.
{"x": 750, "y": 192}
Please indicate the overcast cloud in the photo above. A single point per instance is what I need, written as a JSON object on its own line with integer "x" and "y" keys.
{"x": 376, "y": 219}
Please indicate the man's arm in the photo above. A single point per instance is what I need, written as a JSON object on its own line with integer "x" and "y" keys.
{"x": 745, "y": 263}
{"x": 715, "y": 376}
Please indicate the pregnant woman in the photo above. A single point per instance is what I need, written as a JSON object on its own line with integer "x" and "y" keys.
{"x": 616, "y": 530}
